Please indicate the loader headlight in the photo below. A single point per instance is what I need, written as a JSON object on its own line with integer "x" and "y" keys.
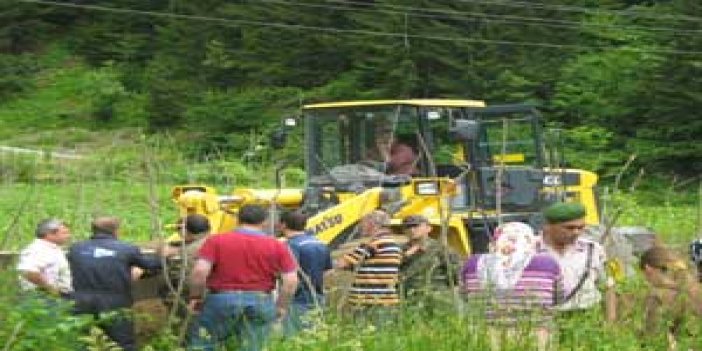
{"x": 426, "y": 188}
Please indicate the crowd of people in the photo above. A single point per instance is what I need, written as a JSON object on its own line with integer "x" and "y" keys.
{"x": 240, "y": 284}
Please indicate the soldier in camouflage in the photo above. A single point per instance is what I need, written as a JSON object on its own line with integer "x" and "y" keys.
{"x": 429, "y": 269}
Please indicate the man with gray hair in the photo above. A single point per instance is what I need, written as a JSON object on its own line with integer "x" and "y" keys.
{"x": 376, "y": 263}
{"x": 42, "y": 265}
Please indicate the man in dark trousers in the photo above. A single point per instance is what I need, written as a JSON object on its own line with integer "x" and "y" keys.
{"x": 239, "y": 270}
{"x": 102, "y": 279}
{"x": 315, "y": 261}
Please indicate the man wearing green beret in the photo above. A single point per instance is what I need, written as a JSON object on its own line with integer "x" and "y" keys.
{"x": 582, "y": 260}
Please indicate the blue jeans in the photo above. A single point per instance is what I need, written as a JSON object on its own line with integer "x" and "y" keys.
{"x": 246, "y": 315}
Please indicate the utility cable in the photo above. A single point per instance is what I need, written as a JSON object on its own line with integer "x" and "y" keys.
{"x": 570, "y": 8}
{"x": 436, "y": 13}
{"x": 225, "y": 21}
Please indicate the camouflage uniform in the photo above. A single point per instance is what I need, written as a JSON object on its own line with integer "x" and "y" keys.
{"x": 428, "y": 273}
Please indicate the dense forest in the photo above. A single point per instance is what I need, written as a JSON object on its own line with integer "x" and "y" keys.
{"x": 618, "y": 77}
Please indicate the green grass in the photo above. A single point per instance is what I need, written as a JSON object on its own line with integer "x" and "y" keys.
{"x": 126, "y": 175}
{"x": 437, "y": 328}
{"x": 58, "y": 101}
{"x": 673, "y": 215}
{"x": 116, "y": 179}
{"x": 66, "y": 94}
{"x": 23, "y": 205}
{"x": 676, "y": 225}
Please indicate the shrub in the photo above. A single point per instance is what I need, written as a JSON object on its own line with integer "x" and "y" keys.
{"x": 15, "y": 74}
{"x": 32, "y": 323}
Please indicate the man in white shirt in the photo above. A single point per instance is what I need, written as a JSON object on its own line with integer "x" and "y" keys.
{"x": 582, "y": 261}
{"x": 42, "y": 264}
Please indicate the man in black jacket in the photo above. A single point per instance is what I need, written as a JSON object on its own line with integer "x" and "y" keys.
{"x": 102, "y": 280}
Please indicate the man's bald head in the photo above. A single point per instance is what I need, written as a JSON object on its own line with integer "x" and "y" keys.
{"x": 105, "y": 225}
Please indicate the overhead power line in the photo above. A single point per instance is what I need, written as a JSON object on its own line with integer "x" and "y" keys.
{"x": 571, "y": 8}
{"x": 435, "y": 13}
{"x": 240, "y": 22}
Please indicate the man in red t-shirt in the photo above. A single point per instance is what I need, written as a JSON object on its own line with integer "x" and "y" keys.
{"x": 239, "y": 270}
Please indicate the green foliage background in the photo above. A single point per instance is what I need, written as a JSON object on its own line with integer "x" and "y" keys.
{"x": 153, "y": 94}
{"x": 617, "y": 76}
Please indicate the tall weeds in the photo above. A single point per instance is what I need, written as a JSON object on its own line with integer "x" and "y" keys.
{"x": 131, "y": 177}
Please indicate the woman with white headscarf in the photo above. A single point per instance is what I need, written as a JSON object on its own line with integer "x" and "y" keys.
{"x": 515, "y": 286}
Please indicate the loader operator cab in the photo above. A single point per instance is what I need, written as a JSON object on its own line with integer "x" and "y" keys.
{"x": 370, "y": 134}
{"x": 506, "y": 154}
{"x": 361, "y": 144}
{"x": 493, "y": 156}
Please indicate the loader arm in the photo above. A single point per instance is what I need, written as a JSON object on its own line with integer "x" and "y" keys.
{"x": 329, "y": 225}
{"x": 222, "y": 210}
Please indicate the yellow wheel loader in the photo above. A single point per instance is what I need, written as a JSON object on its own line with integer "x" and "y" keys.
{"x": 466, "y": 166}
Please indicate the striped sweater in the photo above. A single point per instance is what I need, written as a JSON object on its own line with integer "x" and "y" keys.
{"x": 377, "y": 266}
{"x": 530, "y": 300}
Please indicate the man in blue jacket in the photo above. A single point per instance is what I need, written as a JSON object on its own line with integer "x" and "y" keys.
{"x": 314, "y": 261}
{"x": 102, "y": 279}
